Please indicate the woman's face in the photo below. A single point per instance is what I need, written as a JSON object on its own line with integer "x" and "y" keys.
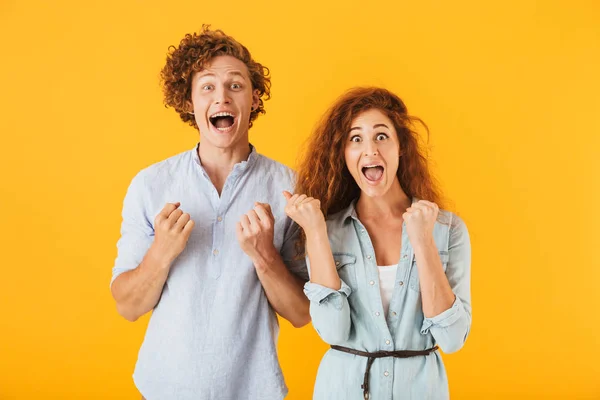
{"x": 372, "y": 152}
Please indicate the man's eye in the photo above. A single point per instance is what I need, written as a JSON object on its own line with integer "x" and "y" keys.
{"x": 207, "y": 87}
{"x": 236, "y": 86}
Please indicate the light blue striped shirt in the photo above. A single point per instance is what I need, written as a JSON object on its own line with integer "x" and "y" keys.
{"x": 213, "y": 333}
{"x": 353, "y": 317}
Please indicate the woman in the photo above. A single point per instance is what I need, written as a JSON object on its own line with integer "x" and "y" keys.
{"x": 390, "y": 271}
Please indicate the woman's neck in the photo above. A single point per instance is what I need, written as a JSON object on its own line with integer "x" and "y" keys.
{"x": 391, "y": 205}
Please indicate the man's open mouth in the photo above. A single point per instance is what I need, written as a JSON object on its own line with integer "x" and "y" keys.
{"x": 373, "y": 173}
{"x": 223, "y": 121}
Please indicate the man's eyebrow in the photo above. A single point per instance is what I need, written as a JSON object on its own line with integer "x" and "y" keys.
{"x": 237, "y": 73}
{"x": 204, "y": 74}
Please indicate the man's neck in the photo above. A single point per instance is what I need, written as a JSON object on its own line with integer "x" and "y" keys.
{"x": 218, "y": 162}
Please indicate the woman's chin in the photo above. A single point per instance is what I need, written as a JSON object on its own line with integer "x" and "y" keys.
{"x": 373, "y": 189}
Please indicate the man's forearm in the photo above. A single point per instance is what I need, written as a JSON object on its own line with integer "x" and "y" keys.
{"x": 138, "y": 291}
{"x": 284, "y": 290}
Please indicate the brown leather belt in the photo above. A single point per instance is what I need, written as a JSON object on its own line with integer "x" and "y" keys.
{"x": 381, "y": 354}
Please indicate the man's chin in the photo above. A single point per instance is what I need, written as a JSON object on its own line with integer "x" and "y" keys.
{"x": 222, "y": 140}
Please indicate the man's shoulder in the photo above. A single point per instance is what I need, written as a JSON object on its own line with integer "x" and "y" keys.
{"x": 162, "y": 171}
{"x": 269, "y": 162}
{"x": 273, "y": 167}
{"x": 168, "y": 165}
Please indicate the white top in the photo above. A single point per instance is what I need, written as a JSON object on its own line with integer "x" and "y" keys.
{"x": 387, "y": 277}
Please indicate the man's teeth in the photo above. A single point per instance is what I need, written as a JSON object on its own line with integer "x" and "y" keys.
{"x": 221, "y": 114}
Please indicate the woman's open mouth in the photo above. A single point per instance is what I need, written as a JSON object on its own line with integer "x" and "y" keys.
{"x": 373, "y": 172}
{"x": 222, "y": 121}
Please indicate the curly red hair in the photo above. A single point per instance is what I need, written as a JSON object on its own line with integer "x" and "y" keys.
{"x": 322, "y": 172}
{"x": 193, "y": 53}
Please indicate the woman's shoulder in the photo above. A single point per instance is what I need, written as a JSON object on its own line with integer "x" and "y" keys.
{"x": 339, "y": 218}
{"x": 452, "y": 226}
{"x": 450, "y": 219}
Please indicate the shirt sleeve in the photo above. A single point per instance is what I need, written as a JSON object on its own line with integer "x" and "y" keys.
{"x": 451, "y": 327}
{"x": 137, "y": 231}
{"x": 321, "y": 294}
{"x": 329, "y": 310}
{"x": 292, "y": 252}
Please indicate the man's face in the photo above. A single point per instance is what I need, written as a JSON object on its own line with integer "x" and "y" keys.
{"x": 222, "y": 99}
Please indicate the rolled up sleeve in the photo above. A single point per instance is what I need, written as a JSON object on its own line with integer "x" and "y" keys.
{"x": 329, "y": 310}
{"x": 137, "y": 232}
{"x": 451, "y": 327}
{"x": 321, "y": 294}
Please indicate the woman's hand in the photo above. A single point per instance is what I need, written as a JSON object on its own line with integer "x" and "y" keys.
{"x": 420, "y": 219}
{"x": 305, "y": 211}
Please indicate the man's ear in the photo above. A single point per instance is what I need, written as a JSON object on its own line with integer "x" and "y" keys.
{"x": 189, "y": 107}
{"x": 255, "y": 99}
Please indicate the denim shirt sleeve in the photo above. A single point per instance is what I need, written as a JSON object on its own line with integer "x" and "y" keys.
{"x": 329, "y": 310}
{"x": 451, "y": 327}
{"x": 137, "y": 232}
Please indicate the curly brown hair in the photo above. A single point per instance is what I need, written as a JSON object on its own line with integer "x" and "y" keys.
{"x": 194, "y": 52}
{"x": 322, "y": 172}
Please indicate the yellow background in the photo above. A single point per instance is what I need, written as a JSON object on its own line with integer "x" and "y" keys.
{"x": 510, "y": 91}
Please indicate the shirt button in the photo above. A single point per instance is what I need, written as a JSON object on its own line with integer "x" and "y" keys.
{"x": 372, "y": 283}
{"x": 337, "y": 263}
{"x": 387, "y": 342}
{"x": 219, "y": 219}
{"x": 215, "y": 252}
{"x": 386, "y": 373}
{"x": 362, "y": 230}
{"x": 377, "y": 313}
{"x": 404, "y": 256}
{"x": 400, "y": 283}
{"x": 394, "y": 313}
{"x": 369, "y": 257}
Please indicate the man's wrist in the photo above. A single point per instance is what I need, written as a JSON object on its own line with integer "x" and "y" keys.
{"x": 265, "y": 260}
{"x": 158, "y": 259}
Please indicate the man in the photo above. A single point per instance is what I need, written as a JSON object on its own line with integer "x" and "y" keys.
{"x": 205, "y": 242}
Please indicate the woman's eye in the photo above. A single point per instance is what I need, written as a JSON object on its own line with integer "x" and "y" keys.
{"x": 355, "y": 139}
{"x": 382, "y": 136}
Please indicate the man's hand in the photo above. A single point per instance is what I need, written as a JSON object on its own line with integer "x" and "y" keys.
{"x": 172, "y": 228}
{"x": 255, "y": 234}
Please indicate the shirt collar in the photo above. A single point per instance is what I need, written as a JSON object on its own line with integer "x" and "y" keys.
{"x": 237, "y": 168}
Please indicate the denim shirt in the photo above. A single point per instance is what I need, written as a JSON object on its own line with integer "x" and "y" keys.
{"x": 353, "y": 316}
{"x": 212, "y": 335}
